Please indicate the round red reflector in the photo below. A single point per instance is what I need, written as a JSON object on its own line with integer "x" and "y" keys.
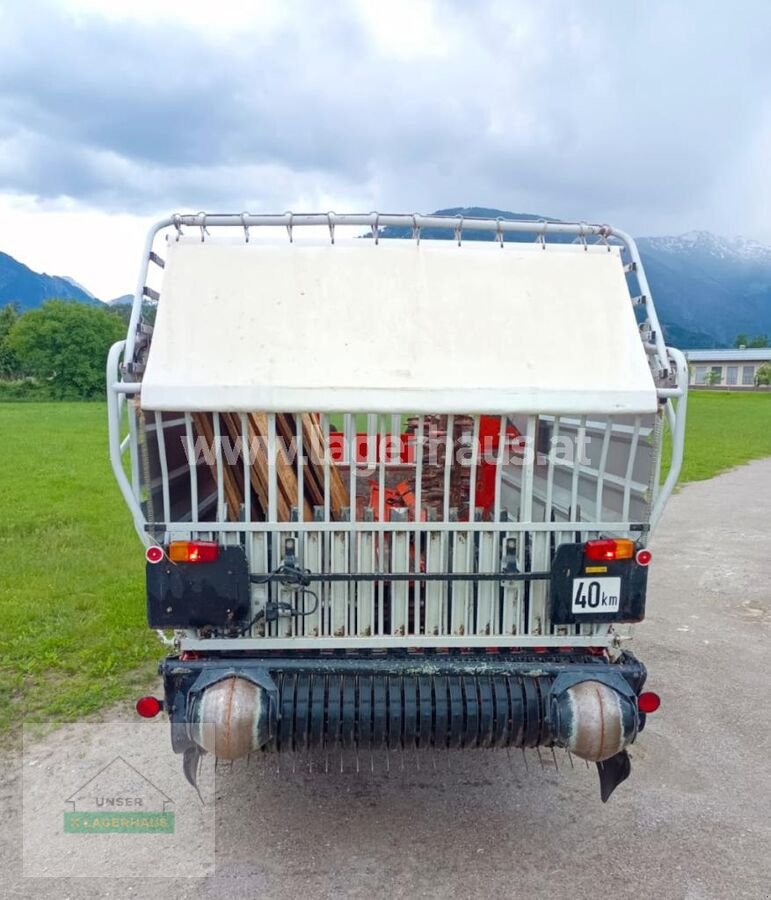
{"x": 154, "y": 554}
{"x": 648, "y": 702}
{"x": 643, "y": 557}
{"x": 147, "y": 707}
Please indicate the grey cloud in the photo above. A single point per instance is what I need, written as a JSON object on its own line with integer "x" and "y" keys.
{"x": 577, "y": 111}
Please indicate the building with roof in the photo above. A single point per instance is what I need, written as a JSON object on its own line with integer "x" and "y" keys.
{"x": 726, "y": 368}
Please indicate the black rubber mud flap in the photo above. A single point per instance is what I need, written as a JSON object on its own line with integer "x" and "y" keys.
{"x": 612, "y": 772}
{"x": 191, "y": 763}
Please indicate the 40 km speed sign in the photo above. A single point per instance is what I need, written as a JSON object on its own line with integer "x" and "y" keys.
{"x": 596, "y": 595}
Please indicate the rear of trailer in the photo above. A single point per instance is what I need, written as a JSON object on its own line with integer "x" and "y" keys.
{"x": 396, "y": 493}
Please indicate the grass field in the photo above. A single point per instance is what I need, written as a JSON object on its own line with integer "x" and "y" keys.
{"x": 74, "y": 637}
{"x": 725, "y": 429}
{"x": 71, "y": 568}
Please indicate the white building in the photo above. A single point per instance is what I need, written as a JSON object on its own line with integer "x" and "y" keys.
{"x": 726, "y": 368}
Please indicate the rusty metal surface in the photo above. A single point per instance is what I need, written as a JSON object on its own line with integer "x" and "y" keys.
{"x": 597, "y": 717}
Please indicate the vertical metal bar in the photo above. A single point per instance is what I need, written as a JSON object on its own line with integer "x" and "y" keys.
{"x": 221, "y": 514}
{"x": 286, "y": 626}
{"x": 131, "y": 409}
{"x": 580, "y": 439}
{"x": 535, "y": 612}
{"x": 501, "y": 459}
{"x": 598, "y": 514}
{"x": 526, "y": 498}
{"x": 434, "y": 589}
{"x": 327, "y": 462}
{"x": 349, "y": 439}
{"x": 417, "y": 515}
{"x": 550, "y": 471}
{"x": 472, "y": 486}
{"x": 339, "y": 590}
{"x": 461, "y": 590}
{"x": 400, "y": 561}
{"x": 351, "y": 592}
{"x": 192, "y": 465}
{"x": 512, "y": 598}
{"x": 381, "y": 451}
{"x": 487, "y": 591}
{"x": 630, "y": 468}
{"x": 160, "y": 437}
{"x": 272, "y": 474}
{"x": 448, "y": 463}
{"x": 259, "y": 556}
{"x": 272, "y": 544}
{"x": 365, "y": 590}
{"x": 574, "y": 510}
{"x": 246, "y": 460}
{"x": 298, "y": 430}
{"x": 313, "y": 560}
{"x": 419, "y": 439}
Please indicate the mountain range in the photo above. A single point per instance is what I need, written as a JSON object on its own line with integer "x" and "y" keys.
{"x": 707, "y": 288}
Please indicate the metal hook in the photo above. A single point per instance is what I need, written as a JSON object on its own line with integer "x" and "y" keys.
{"x": 415, "y": 228}
{"x": 204, "y": 231}
{"x": 499, "y": 231}
{"x": 331, "y": 221}
{"x": 459, "y": 229}
{"x": 177, "y": 218}
{"x": 582, "y": 233}
{"x": 376, "y": 228}
{"x": 246, "y": 227}
{"x": 289, "y": 225}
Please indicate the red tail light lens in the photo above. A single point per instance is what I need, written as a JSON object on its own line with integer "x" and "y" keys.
{"x": 643, "y": 557}
{"x": 193, "y": 551}
{"x": 606, "y": 550}
{"x": 154, "y": 554}
{"x": 148, "y": 707}
{"x": 648, "y": 702}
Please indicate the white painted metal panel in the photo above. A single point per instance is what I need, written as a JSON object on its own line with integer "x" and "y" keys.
{"x": 399, "y": 326}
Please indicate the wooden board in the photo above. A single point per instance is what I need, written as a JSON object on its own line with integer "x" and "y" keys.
{"x": 313, "y": 439}
{"x": 232, "y": 479}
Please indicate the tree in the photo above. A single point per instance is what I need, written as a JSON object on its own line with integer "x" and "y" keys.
{"x": 9, "y": 364}
{"x": 763, "y": 374}
{"x": 65, "y": 343}
{"x": 743, "y": 340}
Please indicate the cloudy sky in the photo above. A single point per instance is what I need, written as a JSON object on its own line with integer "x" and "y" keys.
{"x": 654, "y": 116}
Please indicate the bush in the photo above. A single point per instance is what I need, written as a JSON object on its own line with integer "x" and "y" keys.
{"x": 25, "y": 389}
{"x": 64, "y": 346}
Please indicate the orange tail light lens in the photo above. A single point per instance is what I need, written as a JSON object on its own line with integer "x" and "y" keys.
{"x": 193, "y": 551}
{"x": 606, "y": 550}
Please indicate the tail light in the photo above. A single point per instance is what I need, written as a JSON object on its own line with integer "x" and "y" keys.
{"x": 648, "y": 702}
{"x": 193, "y": 551}
{"x": 148, "y": 707}
{"x": 643, "y": 557}
{"x": 154, "y": 554}
{"x": 608, "y": 549}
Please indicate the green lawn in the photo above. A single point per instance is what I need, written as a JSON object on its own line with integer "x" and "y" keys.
{"x": 74, "y": 637}
{"x": 725, "y": 429}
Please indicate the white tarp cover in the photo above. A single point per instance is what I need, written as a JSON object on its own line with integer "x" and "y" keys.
{"x": 399, "y": 326}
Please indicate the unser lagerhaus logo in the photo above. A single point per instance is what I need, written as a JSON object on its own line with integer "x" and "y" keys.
{"x": 119, "y": 799}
